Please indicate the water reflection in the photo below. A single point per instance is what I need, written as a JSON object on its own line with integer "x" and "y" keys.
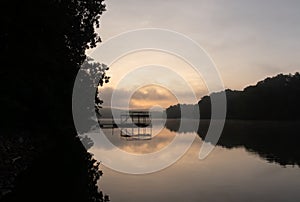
{"x": 162, "y": 150}
{"x": 229, "y": 173}
{"x": 158, "y": 141}
{"x": 274, "y": 141}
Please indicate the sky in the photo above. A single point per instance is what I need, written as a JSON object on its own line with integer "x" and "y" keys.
{"x": 247, "y": 41}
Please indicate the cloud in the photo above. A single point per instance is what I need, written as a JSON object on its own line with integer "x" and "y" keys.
{"x": 240, "y": 35}
{"x": 151, "y": 93}
{"x": 145, "y": 97}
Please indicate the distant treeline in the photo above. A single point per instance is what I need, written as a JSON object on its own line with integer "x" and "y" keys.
{"x": 275, "y": 98}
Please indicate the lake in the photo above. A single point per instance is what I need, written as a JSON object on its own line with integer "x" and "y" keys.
{"x": 253, "y": 161}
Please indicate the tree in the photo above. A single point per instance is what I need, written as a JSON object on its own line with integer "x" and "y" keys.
{"x": 42, "y": 46}
{"x": 48, "y": 39}
{"x": 275, "y": 98}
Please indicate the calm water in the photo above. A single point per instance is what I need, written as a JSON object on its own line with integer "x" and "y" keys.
{"x": 235, "y": 171}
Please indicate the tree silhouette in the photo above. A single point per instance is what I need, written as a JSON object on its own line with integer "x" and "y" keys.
{"x": 91, "y": 78}
{"x": 42, "y": 46}
{"x": 274, "y": 141}
{"x": 272, "y": 103}
{"x": 49, "y": 39}
{"x": 275, "y": 98}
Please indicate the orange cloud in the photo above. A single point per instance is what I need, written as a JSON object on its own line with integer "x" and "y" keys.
{"x": 152, "y": 95}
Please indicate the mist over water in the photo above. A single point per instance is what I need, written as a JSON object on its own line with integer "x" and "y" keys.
{"x": 236, "y": 170}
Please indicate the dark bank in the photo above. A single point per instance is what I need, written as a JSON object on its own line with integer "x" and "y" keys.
{"x": 43, "y": 44}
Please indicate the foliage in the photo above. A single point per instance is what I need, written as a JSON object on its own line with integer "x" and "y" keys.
{"x": 86, "y": 94}
{"x": 42, "y": 46}
{"x": 275, "y": 98}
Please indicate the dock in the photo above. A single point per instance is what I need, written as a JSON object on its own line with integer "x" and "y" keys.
{"x": 134, "y": 125}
